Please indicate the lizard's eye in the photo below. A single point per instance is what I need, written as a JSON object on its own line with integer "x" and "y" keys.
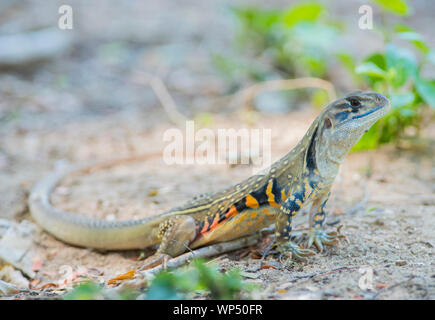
{"x": 354, "y": 102}
{"x": 328, "y": 123}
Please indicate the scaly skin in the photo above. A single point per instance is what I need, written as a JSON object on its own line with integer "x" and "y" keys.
{"x": 301, "y": 177}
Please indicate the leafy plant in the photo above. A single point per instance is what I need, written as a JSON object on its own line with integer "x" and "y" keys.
{"x": 397, "y": 72}
{"x": 181, "y": 283}
{"x": 199, "y": 277}
{"x": 296, "y": 41}
{"x": 301, "y": 41}
{"x": 85, "y": 291}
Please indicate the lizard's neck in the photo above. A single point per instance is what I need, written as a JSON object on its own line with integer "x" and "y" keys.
{"x": 330, "y": 153}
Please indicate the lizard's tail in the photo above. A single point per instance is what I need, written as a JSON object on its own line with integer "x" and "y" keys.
{"x": 87, "y": 232}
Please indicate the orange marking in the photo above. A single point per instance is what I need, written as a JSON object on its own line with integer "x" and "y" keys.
{"x": 231, "y": 212}
{"x": 251, "y": 202}
{"x": 270, "y": 195}
{"x": 254, "y": 214}
{"x": 126, "y": 276}
{"x": 205, "y": 228}
{"x": 269, "y": 215}
{"x": 283, "y": 195}
{"x": 215, "y": 221}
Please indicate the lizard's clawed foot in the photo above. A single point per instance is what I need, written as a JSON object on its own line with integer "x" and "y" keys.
{"x": 319, "y": 238}
{"x": 294, "y": 252}
{"x": 156, "y": 260}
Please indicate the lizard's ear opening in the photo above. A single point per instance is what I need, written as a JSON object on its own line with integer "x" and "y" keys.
{"x": 328, "y": 123}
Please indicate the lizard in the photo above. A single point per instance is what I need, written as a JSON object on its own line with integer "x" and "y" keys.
{"x": 303, "y": 176}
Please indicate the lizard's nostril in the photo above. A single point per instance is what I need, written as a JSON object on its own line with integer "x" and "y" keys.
{"x": 381, "y": 98}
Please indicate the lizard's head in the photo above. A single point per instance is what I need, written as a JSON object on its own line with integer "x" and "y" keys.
{"x": 345, "y": 120}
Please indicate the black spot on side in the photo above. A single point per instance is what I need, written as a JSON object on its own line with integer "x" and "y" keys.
{"x": 311, "y": 153}
{"x": 201, "y": 226}
{"x": 260, "y": 195}
{"x": 276, "y": 191}
{"x": 240, "y": 205}
{"x": 222, "y": 216}
{"x": 210, "y": 221}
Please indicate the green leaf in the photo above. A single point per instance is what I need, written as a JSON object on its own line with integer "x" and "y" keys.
{"x": 403, "y": 62}
{"x": 431, "y": 57}
{"x": 257, "y": 19}
{"x": 347, "y": 61}
{"x": 378, "y": 59}
{"x": 303, "y": 12}
{"x": 399, "y": 100}
{"x": 399, "y": 7}
{"x": 85, "y": 291}
{"x": 426, "y": 89}
{"x": 370, "y": 69}
{"x": 402, "y": 28}
{"x": 416, "y": 39}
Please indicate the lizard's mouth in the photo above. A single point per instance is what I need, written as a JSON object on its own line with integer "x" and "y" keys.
{"x": 367, "y": 113}
{"x": 370, "y": 116}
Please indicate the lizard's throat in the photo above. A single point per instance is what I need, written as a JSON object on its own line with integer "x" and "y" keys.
{"x": 329, "y": 157}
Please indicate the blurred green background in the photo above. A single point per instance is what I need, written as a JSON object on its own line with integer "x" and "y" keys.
{"x": 206, "y": 50}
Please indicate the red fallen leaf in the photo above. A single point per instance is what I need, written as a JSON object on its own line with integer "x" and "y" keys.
{"x": 382, "y": 285}
{"x": 37, "y": 265}
{"x": 268, "y": 266}
{"x": 49, "y": 285}
{"x": 126, "y": 276}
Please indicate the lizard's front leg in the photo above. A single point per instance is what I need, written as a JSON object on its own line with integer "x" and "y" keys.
{"x": 176, "y": 233}
{"x": 318, "y": 237}
{"x": 283, "y": 227}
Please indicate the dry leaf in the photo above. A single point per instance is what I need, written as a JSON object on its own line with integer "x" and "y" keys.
{"x": 268, "y": 266}
{"x": 126, "y": 276}
{"x": 382, "y": 285}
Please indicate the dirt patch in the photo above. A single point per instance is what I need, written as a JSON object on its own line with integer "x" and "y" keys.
{"x": 384, "y": 199}
{"x": 82, "y": 106}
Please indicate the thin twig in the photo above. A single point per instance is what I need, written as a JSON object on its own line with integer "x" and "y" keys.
{"x": 205, "y": 252}
{"x": 163, "y": 95}
{"x": 248, "y": 94}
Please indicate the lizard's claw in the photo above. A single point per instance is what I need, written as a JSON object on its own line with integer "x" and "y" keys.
{"x": 295, "y": 252}
{"x": 319, "y": 238}
{"x": 156, "y": 260}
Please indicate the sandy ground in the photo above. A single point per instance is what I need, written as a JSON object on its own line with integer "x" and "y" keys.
{"x": 390, "y": 232}
{"x": 82, "y": 106}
